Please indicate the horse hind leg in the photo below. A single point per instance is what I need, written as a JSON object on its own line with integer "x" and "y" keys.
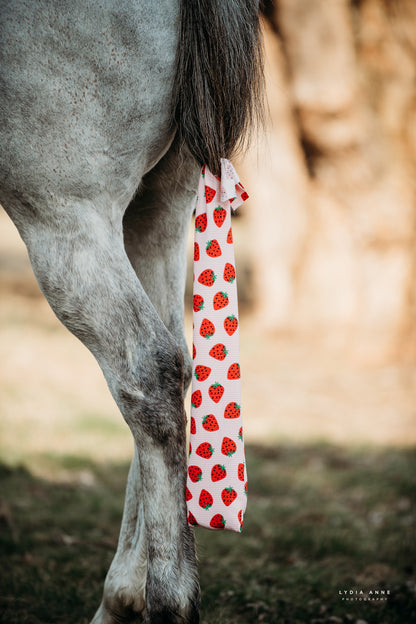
{"x": 155, "y": 231}
{"x": 125, "y": 584}
{"x": 82, "y": 267}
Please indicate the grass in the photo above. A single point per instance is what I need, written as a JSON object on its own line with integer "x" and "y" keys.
{"x": 320, "y": 519}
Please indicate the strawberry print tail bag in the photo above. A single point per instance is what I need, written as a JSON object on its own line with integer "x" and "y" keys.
{"x": 216, "y": 490}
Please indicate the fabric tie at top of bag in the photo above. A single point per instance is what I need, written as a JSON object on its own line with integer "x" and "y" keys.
{"x": 216, "y": 490}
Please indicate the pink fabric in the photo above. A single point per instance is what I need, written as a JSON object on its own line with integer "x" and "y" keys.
{"x": 216, "y": 490}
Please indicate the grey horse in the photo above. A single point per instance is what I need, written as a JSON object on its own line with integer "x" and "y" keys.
{"x": 108, "y": 109}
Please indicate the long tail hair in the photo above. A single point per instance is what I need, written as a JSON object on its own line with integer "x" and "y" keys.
{"x": 218, "y": 91}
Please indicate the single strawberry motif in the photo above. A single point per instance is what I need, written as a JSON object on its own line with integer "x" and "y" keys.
{"x": 205, "y": 450}
{"x": 219, "y": 215}
{"x": 232, "y": 410}
{"x": 228, "y": 447}
{"x": 193, "y": 425}
{"x": 205, "y": 499}
{"x": 216, "y": 391}
{"x": 217, "y": 522}
{"x": 193, "y": 351}
{"x": 210, "y": 423}
{"x": 218, "y": 472}
{"x": 213, "y": 248}
{"x": 198, "y": 302}
{"x": 245, "y": 488}
{"x": 209, "y": 194}
{"x": 195, "y": 473}
{"x": 230, "y": 236}
{"x": 240, "y": 518}
{"x": 191, "y": 520}
{"x": 207, "y": 328}
{"x": 188, "y": 494}
{"x": 241, "y": 472}
{"x": 220, "y": 300}
{"x": 244, "y": 195}
{"x": 229, "y": 273}
{"x": 190, "y": 448}
{"x": 202, "y": 372}
{"x": 207, "y": 277}
{"x": 228, "y": 495}
{"x": 240, "y": 434}
{"x": 201, "y": 222}
{"x": 234, "y": 371}
{"x": 230, "y": 324}
{"x": 196, "y": 398}
{"x": 196, "y": 252}
{"x": 218, "y": 352}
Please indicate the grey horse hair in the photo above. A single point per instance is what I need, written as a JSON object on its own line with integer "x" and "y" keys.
{"x": 218, "y": 89}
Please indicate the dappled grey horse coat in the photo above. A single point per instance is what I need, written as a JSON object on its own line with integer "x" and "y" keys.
{"x": 108, "y": 110}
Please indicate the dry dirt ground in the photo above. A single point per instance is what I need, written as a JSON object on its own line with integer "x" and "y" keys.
{"x": 54, "y": 400}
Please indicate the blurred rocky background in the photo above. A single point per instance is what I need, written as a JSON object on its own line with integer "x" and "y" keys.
{"x": 332, "y": 223}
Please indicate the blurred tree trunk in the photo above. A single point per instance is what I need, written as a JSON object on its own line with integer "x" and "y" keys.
{"x": 334, "y": 220}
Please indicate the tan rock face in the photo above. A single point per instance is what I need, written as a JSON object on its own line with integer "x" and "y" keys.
{"x": 333, "y": 216}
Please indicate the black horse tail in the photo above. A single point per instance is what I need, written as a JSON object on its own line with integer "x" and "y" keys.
{"x": 218, "y": 91}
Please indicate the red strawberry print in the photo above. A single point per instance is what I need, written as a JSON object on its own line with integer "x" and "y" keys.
{"x": 193, "y": 351}
{"x": 218, "y": 472}
{"x": 234, "y": 371}
{"x": 207, "y": 328}
{"x": 232, "y": 410}
{"x": 195, "y": 473}
{"x": 240, "y": 434}
{"x": 230, "y": 324}
{"x": 204, "y": 450}
{"x": 228, "y": 447}
{"x": 198, "y": 302}
{"x": 228, "y": 495}
{"x": 245, "y": 488}
{"x": 196, "y": 398}
{"x": 216, "y": 387}
{"x": 209, "y": 194}
{"x": 202, "y": 372}
{"x": 205, "y": 499}
{"x": 229, "y": 273}
{"x": 220, "y": 300}
{"x": 201, "y": 222}
{"x": 191, "y": 520}
{"x": 213, "y": 248}
{"x": 244, "y": 195}
{"x": 210, "y": 423}
{"x": 217, "y": 522}
{"x": 193, "y": 425}
{"x": 207, "y": 277}
{"x": 216, "y": 391}
{"x": 219, "y": 216}
{"x": 218, "y": 351}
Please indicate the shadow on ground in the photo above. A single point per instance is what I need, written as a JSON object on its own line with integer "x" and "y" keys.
{"x": 321, "y": 520}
